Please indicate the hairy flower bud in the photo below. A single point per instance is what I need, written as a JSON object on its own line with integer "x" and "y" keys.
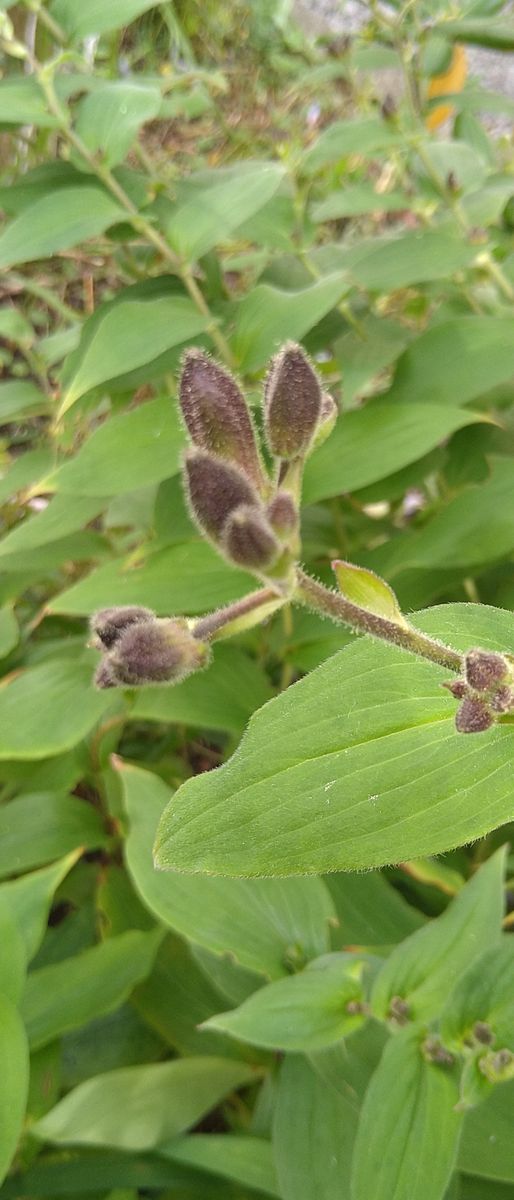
{"x": 327, "y": 419}
{"x": 248, "y": 539}
{"x": 485, "y": 669}
{"x": 215, "y": 488}
{"x": 457, "y": 687}
{"x": 292, "y": 403}
{"x": 159, "y": 651}
{"x": 216, "y": 413}
{"x": 105, "y": 676}
{"x": 473, "y": 716}
{"x": 108, "y": 624}
{"x": 502, "y": 700}
{"x": 282, "y": 514}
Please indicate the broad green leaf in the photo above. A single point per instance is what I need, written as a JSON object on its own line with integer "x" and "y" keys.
{"x": 223, "y": 697}
{"x": 23, "y": 470}
{"x": 357, "y": 198}
{"x": 370, "y": 911}
{"x": 106, "y": 1170}
{"x": 246, "y": 1160}
{"x": 143, "y": 444}
{"x": 137, "y": 1108}
{"x": 57, "y": 824}
{"x": 63, "y": 515}
{"x": 367, "y": 591}
{"x": 485, "y": 992}
{"x": 178, "y": 997}
{"x": 95, "y": 17}
{"x": 9, "y": 631}
{"x": 13, "y": 957}
{"x": 456, "y": 361}
{"x": 362, "y": 358}
{"x": 268, "y": 316}
{"x": 68, "y": 994}
{"x": 212, "y": 204}
{"x": 355, "y": 766}
{"x": 20, "y": 399}
{"x": 468, "y": 1187}
{"x": 29, "y": 898}
{"x": 495, "y": 35}
{"x": 424, "y": 969}
{"x": 262, "y": 923}
{"x": 487, "y": 1147}
{"x": 189, "y": 578}
{"x": 120, "y": 1039}
{"x": 47, "y": 709}
{"x": 372, "y": 442}
{"x": 477, "y": 526}
{"x": 444, "y": 155}
{"x": 56, "y": 222}
{"x": 108, "y": 118}
{"x": 22, "y": 102}
{"x": 409, "y": 1130}
{"x": 13, "y": 1083}
{"x": 305, "y": 1012}
{"x": 390, "y": 263}
{"x": 363, "y": 136}
{"x": 129, "y": 334}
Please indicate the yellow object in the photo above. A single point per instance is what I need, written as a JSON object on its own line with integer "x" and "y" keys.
{"x": 452, "y": 80}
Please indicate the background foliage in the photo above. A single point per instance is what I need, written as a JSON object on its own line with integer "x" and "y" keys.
{"x": 199, "y": 174}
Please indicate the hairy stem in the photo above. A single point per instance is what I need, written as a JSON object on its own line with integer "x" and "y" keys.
{"x": 320, "y": 598}
{"x": 206, "y": 628}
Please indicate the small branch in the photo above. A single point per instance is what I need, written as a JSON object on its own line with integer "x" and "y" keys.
{"x": 215, "y": 623}
{"x": 318, "y": 597}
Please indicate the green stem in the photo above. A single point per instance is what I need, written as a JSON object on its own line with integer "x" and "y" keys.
{"x": 330, "y": 604}
{"x": 214, "y": 624}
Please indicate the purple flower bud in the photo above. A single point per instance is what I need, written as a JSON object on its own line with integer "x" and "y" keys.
{"x": 485, "y": 670}
{"x": 163, "y": 651}
{"x": 502, "y": 700}
{"x": 457, "y": 687}
{"x": 215, "y": 488}
{"x": 292, "y": 402}
{"x": 216, "y": 413}
{"x": 248, "y": 539}
{"x": 473, "y": 716}
{"x": 282, "y": 514}
{"x": 108, "y": 624}
{"x": 105, "y": 676}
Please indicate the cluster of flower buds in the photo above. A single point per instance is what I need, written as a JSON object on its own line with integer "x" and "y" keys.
{"x": 486, "y": 691}
{"x": 251, "y": 519}
{"x": 139, "y": 648}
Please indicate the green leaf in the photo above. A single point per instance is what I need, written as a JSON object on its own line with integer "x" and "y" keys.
{"x": 246, "y": 1160}
{"x": 9, "y": 631}
{"x": 14, "y": 1081}
{"x": 29, "y": 898}
{"x": 385, "y": 264}
{"x": 48, "y": 709}
{"x": 261, "y": 924}
{"x": 56, "y": 222}
{"x": 305, "y": 1012}
{"x": 186, "y": 579}
{"x": 63, "y": 515}
{"x": 212, "y": 204}
{"x": 20, "y": 399}
{"x": 424, "y": 969}
{"x": 79, "y": 20}
{"x": 487, "y": 1147}
{"x": 456, "y": 361}
{"x": 27, "y": 468}
{"x": 108, "y": 118}
{"x": 268, "y": 316}
{"x": 367, "y": 591}
{"x": 143, "y": 444}
{"x": 357, "y": 198}
{"x": 372, "y": 442}
{"x": 223, "y": 697}
{"x": 67, "y": 994}
{"x": 370, "y": 911}
{"x": 409, "y": 1130}
{"x": 13, "y": 959}
{"x": 22, "y": 102}
{"x": 355, "y": 766}
{"x": 57, "y": 825}
{"x": 485, "y": 992}
{"x": 136, "y": 1108}
{"x": 102, "y": 1171}
{"x": 363, "y": 136}
{"x": 362, "y": 358}
{"x": 495, "y": 35}
{"x": 127, "y": 335}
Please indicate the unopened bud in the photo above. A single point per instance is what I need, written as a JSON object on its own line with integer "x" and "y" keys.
{"x": 108, "y": 624}
{"x": 434, "y": 1052}
{"x": 473, "y": 716}
{"x": 497, "y": 1066}
{"x": 216, "y": 413}
{"x": 215, "y": 489}
{"x": 388, "y": 107}
{"x": 502, "y": 700}
{"x": 248, "y": 539}
{"x": 105, "y": 676}
{"x": 292, "y": 403}
{"x": 485, "y": 669}
{"x": 483, "y": 1033}
{"x": 457, "y": 687}
{"x": 398, "y": 1011}
{"x": 282, "y": 514}
{"x": 163, "y": 651}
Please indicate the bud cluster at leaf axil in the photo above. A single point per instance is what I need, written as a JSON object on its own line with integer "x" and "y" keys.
{"x": 139, "y": 648}
{"x": 486, "y": 690}
{"x": 250, "y": 514}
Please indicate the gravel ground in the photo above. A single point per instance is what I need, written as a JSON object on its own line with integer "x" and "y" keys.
{"x": 494, "y": 70}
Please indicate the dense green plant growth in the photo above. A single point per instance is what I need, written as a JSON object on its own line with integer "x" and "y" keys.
{"x": 265, "y": 1016}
